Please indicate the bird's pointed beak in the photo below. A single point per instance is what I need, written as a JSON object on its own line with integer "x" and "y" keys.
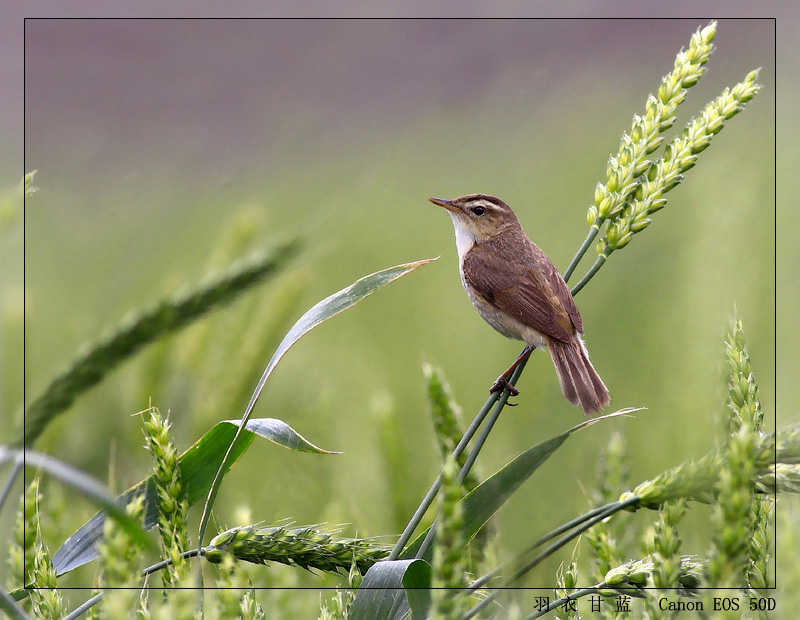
{"x": 441, "y": 202}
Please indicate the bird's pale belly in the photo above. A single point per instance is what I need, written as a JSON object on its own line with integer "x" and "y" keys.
{"x": 504, "y": 323}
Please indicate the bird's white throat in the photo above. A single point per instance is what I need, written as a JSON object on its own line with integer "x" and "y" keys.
{"x": 465, "y": 238}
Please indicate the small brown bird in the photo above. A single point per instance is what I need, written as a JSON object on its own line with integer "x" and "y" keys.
{"x": 519, "y": 292}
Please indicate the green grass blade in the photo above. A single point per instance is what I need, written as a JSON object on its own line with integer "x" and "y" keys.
{"x": 417, "y": 584}
{"x": 327, "y": 308}
{"x": 81, "y": 482}
{"x": 165, "y": 316}
{"x": 322, "y": 311}
{"x": 487, "y": 498}
{"x": 279, "y": 432}
{"x": 383, "y": 595}
{"x": 198, "y": 466}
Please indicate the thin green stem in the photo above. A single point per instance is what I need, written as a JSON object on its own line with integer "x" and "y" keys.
{"x": 473, "y": 455}
{"x": 601, "y": 260}
{"x": 593, "y": 230}
{"x": 12, "y": 478}
{"x": 611, "y": 508}
{"x": 83, "y": 608}
{"x": 546, "y": 538}
{"x": 191, "y": 553}
{"x": 431, "y": 494}
{"x": 415, "y": 520}
{"x": 599, "y": 515}
{"x": 502, "y": 401}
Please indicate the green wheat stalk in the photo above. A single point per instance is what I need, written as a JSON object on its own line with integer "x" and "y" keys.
{"x": 679, "y": 156}
{"x": 746, "y": 409}
{"x": 696, "y": 479}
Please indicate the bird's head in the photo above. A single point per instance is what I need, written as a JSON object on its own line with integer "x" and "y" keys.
{"x": 478, "y": 217}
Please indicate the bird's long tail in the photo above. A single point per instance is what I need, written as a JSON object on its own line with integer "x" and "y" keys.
{"x": 580, "y": 383}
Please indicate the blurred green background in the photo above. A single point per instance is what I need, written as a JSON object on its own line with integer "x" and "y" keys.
{"x": 165, "y": 149}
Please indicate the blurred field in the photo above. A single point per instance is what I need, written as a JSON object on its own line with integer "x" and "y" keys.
{"x": 164, "y": 149}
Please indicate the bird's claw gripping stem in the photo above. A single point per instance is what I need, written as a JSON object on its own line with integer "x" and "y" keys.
{"x": 500, "y": 384}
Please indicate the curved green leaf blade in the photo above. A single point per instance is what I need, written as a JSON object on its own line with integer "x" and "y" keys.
{"x": 279, "y": 432}
{"x": 198, "y": 466}
{"x": 322, "y": 311}
{"x": 327, "y": 308}
{"x": 81, "y": 482}
{"x": 486, "y": 499}
{"x": 382, "y": 594}
{"x": 417, "y": 584}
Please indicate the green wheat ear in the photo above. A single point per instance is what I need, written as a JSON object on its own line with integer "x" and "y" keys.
{"x": 449, "y": 558}
{"x": 46, "y": 600}
{"x": 567, "y": 582}
{"x": 446, "y": 416}
{"x": 742, "y": 388}
{"x": 22, "y": 550}
{"x": 630, "y": 577}
{"x": 624, "y": 170}
{"x": 679, "y": 156}
{"x": 173, "y": 505}
{"x": 645, "y": 136}
{"x": 120, "y": 556}
{"x": 306, "y": 547}
{"x": 635, "y": 186}
{"x": 663, "y": 548}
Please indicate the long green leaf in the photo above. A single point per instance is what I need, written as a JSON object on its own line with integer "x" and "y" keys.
{"x": 382, "y": 594}
{"x": 486, "y": 499}
{"x": 322, "y": 311}
{"x": 327, "y": 308}
{"x": 417, "y": 584}
{"x": 81, "y": 482}
{"x": 279, "y": 432}
{"x": 165, "y": 316}
{"x": 198, "y": 466}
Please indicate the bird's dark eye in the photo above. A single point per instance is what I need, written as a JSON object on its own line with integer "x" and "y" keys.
{"x": 479, "y": 210}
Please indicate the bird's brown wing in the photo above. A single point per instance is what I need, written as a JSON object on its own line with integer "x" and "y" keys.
{"x": 561, "y": 290}
{"x": 528, "y": 287}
